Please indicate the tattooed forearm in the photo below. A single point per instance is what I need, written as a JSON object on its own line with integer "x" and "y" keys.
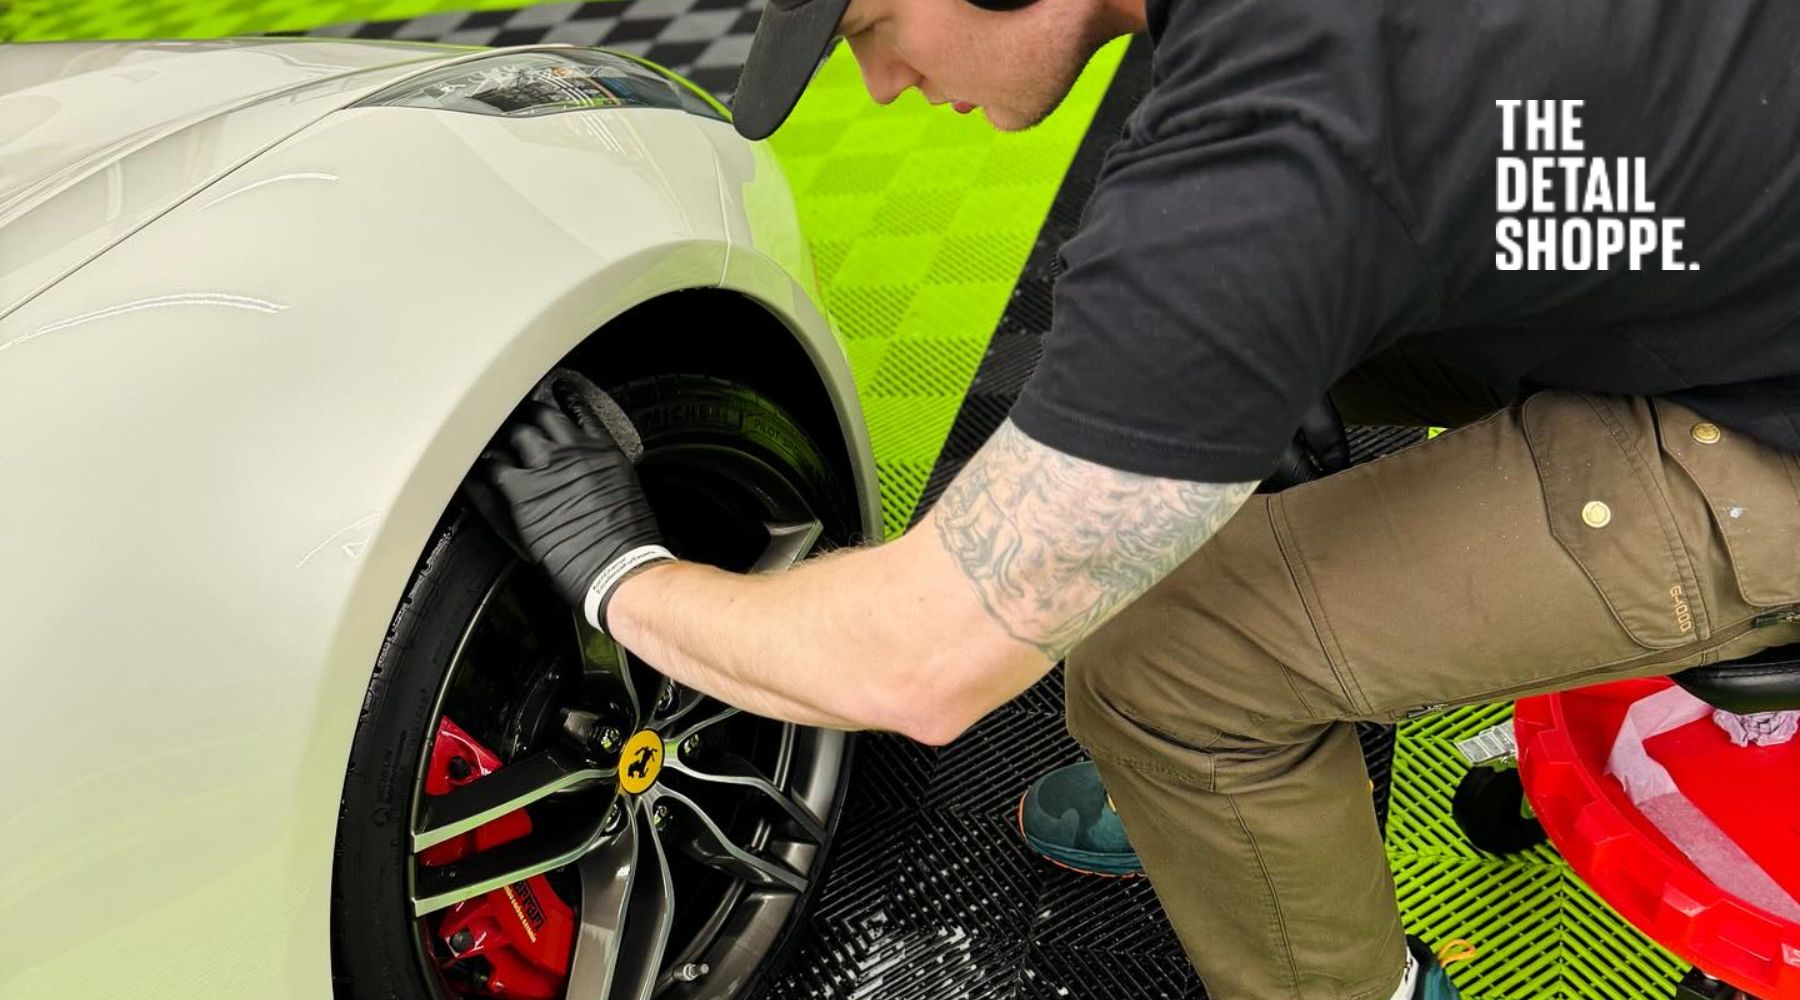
{"x": 1055, "y": 544}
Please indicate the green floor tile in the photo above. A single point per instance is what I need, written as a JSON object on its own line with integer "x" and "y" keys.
{"x": 41, "y": 21}
{"x": 921, "y": 220}
{"x": 1539, "y": 932}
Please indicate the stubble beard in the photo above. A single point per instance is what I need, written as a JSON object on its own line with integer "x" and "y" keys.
{"x": 1055, "y": 89}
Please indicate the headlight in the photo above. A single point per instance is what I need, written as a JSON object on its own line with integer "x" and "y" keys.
{"x": 547, "y": 82}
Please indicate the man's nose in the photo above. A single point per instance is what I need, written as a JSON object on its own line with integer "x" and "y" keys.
{"x": 885, "y": 76}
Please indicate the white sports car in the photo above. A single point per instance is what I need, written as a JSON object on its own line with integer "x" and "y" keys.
{"x": 287, "y": 720}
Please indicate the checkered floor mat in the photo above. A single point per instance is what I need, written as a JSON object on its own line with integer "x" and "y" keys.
{"x": 934, "y": 895}
{"x": 923, "y": 226}
{"x": 59, "y": 20}
{"x": 703, "y": 40}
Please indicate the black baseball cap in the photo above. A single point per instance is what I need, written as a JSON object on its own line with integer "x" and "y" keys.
{"x": 792, "y": 36}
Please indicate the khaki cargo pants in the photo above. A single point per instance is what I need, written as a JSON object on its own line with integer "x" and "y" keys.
{"x": 1564, "y": 541}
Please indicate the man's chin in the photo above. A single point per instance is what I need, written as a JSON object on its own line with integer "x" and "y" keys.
{"x": 1007, "y": 121}
{"x": 1010, "y": 120}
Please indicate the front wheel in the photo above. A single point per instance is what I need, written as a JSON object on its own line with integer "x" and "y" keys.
{"x": 531, "y": 813}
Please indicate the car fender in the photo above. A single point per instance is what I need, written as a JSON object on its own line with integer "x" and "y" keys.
{"x": 228, "y": 439}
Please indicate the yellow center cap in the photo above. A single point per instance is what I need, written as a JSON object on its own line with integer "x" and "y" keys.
{"x": 641, "y": 762}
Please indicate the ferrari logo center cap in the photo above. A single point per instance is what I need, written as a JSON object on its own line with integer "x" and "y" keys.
{"x": 641, "y": 762}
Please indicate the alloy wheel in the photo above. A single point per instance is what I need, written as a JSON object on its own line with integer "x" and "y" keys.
{"x": 671, "y": 834}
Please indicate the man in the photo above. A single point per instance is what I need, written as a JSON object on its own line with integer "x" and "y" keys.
{"x": 1570, "y": 231}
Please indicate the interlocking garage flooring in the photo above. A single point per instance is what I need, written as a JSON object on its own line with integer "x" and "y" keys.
{"x": 935, "y": 240}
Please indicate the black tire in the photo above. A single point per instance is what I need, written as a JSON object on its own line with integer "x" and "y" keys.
{"x": 1489, "y": 809}
{"x": 376, "y": 946}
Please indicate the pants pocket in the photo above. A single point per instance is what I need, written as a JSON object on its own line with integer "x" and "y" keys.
{"x": 1601, "y": 477}
{"x": 1752, "y": 494}
{"x": 1464, "y": 569}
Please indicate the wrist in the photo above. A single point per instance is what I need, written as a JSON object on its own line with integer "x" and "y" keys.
{"x": 629, "y": 598}
{"x": 606, "y": 584}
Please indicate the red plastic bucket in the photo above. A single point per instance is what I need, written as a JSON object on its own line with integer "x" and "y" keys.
{"x": 1753, "y": 794}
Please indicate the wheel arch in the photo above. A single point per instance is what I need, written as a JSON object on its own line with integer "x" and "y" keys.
{"x": 730, "y": 335}
{"x": 282, "y": 427}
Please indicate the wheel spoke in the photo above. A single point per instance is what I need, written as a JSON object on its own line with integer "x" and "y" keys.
{"x": 789, "y": 542}
{"x": 675, "y": 703}
{"x": 606, "y": 670}
{"x": 447, "y": 816}
{"x": 436, "y": 887}
{"x": 702, "y": 838}
{"x": 724, "y": 768}
{"x": 649, "y": 916}
{"x": 720, "y": 713}
{"x": 607, "y": 878}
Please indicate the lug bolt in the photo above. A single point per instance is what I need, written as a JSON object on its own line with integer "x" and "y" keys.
{"x": 690, "y": 747}
{"x": 608, "y": 739}
{"x": 691, "y": 971}
{"x": 613, "y": 815}
{"x": 667, "y": 698}
{"x": 459, "y": 769}
{"x": 462, "y": 941}
{"x": 660, "y": 818}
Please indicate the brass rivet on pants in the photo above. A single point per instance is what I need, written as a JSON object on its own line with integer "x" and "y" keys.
{"x": 1706, "y": 433}
{"x": 1596, "y": 514}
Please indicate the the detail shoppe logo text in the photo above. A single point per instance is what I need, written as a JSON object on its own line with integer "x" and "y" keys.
{"x": 1563, "y": 211}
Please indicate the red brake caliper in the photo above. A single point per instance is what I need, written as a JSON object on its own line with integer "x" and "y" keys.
{"x": 513, "y": 943}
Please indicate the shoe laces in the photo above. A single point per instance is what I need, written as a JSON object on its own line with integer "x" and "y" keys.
{"x": 1456, "y": 950}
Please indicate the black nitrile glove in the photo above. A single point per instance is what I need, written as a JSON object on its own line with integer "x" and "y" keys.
{"x": 1319, "y": 448}
{"x": 568, "y": 499}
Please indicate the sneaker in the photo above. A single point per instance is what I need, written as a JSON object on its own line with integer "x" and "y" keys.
{"x": 1433, "y": 982}
{"x": 1067, "y": 817}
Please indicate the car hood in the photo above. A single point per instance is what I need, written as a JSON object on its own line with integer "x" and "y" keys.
{"x": 99, "y": 138}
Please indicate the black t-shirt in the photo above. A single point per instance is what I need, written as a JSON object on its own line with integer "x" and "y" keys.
{"x": 1308, "y": 181}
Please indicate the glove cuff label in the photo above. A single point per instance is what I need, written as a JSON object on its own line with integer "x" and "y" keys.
{"x": 593, "y": 606}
